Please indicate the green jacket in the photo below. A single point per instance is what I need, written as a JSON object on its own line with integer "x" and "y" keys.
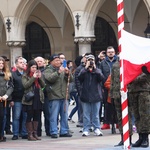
{"x": 115, "y": 81}
{"x": 27, "y": 83}
{"x": 56, "y": 83}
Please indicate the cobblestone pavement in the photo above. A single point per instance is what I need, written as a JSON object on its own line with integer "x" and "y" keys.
{"x": 77, "y": 142}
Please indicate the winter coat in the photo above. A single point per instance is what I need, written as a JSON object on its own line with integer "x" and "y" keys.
{"x": 91, "y": 90}
{"x": 56, "y": 83}
{"x": 106, "y": 66}
{"x": 6, "y": 87}
{"x": 28, "y": 83}
{"x": 115, "y": 81}
{"x": 77, "y": 82}
{"x": 18, "y": 86}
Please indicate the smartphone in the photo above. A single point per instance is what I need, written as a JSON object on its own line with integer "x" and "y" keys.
{"x": 64, "y": 63}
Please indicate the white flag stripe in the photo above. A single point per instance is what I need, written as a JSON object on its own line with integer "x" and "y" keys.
{"x": 135, "y": 49}
{"x": 120, "y": 13}
{"x": 121, "y": 26}
{"x": 119, "y": 1}
{"x": 126, "y": 127}
{"x": 126, "y": 143}
{"x": 124, "y": 113}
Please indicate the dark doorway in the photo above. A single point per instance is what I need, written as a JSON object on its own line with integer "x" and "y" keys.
{"x": 37, "y": 42}
{"x": 105, "y": 36}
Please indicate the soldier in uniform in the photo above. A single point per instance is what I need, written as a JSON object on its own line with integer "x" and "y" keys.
{"x": 116, "y": 99}
{"x": 140, "y": 94}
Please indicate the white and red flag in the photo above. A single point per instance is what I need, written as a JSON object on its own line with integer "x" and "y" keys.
{"x": 135, "y": 54}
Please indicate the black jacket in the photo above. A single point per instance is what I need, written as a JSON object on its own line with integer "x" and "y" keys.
{"x": 77, "y": 82}
{"x": 18, "y": 87}
{"x": 91, "y": 88}
{"x": 106, "y": 66}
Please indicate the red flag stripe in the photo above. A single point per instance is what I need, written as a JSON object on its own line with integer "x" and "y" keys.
{"x": 125, "y": 120}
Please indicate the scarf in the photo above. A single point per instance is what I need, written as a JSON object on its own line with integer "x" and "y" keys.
{"x": 36, "y": 82}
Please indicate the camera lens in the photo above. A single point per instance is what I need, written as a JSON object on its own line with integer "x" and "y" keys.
{"x": 91, "y": 63}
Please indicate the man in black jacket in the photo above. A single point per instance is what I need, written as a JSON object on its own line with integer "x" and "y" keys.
{"x": 78, "y": 86}
{"x": 17, "y": 99}
{"x": 91, "y": 96}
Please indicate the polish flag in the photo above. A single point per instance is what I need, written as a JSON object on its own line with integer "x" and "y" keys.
{"x": 135, "y": 54}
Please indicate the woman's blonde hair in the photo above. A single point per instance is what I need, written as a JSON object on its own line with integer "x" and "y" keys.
{"x": 6, "y": 70}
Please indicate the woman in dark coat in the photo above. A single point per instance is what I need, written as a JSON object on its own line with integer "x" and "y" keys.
{"x": 6, "y": 89}
{"x": 32, "y": 81}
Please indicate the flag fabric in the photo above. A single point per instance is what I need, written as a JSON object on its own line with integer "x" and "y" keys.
{"x": 135, "y": 54}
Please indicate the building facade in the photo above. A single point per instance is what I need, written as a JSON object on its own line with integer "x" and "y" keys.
{"x": 42, "y": 27}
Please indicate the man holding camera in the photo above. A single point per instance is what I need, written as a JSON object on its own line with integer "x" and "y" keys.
{"x": 91, "y": 95}
{"x": 56, "y": 77}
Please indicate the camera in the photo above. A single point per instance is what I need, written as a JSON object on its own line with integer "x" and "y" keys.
{"x": 91, "y": 63}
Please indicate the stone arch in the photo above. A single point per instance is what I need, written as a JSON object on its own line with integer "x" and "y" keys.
{"x": 38, "y": 43}
{"x": 140, "y": 19}
{"x": 105, "y": 36}
{"x": 147, "y": 5}
{"x": 92, "y": 8}
{"x": 3, "y": 46}
{"x": 24, "y": 10}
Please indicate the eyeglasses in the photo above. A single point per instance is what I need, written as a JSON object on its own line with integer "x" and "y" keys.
{"x": 110, "y": 52}
{"x": 62, "y": 57}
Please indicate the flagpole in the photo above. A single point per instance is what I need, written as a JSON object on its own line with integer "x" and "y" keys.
{"x": 124, "y": 101}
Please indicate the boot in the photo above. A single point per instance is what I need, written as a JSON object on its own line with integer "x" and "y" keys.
{"x": 29, "y": 127}
{"x": 35, "y": 126}
{"x": 139, "y": 141}
{"x": 145, "y": 142}
{"x": 130, "y": 140}
{"x": 113, "y": 129}
{"x": 121, "y": 142}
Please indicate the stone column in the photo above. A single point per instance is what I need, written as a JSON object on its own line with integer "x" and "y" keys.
{"x": 15, "y": 50}
{"x": 84, "y": 44}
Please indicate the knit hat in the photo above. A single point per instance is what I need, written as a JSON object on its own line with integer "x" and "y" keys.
{"x": 90, "y": 57}
{"x": 52, "y": 57}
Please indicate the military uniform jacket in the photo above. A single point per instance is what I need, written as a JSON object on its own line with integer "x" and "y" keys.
{"x": 115, "y": 81}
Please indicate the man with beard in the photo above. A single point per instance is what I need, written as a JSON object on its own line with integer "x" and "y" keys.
{"x": 106, "y": 66}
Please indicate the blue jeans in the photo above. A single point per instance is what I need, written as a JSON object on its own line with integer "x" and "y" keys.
{"x": 56, "y": 108}
{"x": 16, "y": 113}
{"x": 91, "y": 115}
{"x": 74, "y": 94}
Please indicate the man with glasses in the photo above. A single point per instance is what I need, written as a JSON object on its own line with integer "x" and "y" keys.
{"x": 106, "y": 66}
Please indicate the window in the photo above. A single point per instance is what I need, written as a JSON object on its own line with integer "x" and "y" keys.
{"x": 37, "y": 42}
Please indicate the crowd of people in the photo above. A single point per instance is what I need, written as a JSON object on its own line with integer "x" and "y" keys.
{"x": 93, "y": 83}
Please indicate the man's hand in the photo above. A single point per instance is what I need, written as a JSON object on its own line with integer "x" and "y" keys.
{"x": 66, "y": 70}
{"x": 4, "y": 97}
{"x": 61, "y": 69}
{"x": 87, "y": 64}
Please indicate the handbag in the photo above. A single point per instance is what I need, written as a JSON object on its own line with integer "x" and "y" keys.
{"x": 29, "y": 96}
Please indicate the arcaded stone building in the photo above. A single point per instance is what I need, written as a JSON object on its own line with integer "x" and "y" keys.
{"x": 42, "y": 27}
